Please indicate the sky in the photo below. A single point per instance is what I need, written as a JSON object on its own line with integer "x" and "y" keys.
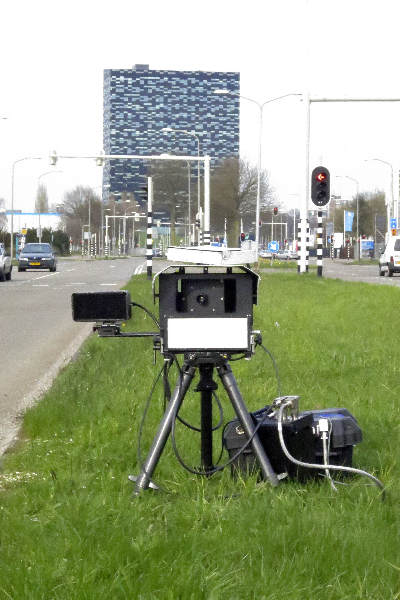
{"x": 51, "y": 87}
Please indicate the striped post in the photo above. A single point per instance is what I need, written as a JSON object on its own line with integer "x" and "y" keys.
{"x": 298, "y": 243}
{"x": 206, "y": 231}
{"x": 149, "y": 244}
{"x": 307, "y": 243}
{"x": 319, "y": 244}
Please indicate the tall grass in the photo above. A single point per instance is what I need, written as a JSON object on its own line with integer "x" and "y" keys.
{"x": 69, "y": 527}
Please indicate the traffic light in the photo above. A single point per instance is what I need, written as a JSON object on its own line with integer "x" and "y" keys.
{"x": 275, "y": 210}
{"x": 53, "y": 158}
{"x": 242, "y": 237}
{"x": 144, "y": 193}
{"x": 320, "y": 186}
{"x": 100, "y": 159}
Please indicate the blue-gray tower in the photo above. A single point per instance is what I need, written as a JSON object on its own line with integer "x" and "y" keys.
{"x": 140, "y": 102}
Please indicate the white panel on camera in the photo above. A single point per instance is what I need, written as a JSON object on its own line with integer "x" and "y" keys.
{"x": 208, "y": 334}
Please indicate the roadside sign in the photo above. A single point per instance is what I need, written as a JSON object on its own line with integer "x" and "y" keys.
{"x": 393, "y": 223}
{"x": 273, "y": 246}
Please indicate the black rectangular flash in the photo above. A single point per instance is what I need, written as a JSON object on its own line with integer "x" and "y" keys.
{"x": 101, "y": 306}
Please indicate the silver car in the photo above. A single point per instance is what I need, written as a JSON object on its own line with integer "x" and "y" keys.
{"x": 5, "y": 265}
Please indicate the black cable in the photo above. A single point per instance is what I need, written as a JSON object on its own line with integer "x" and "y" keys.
{"x": 146, "y": 408}
{"x": 278, "y": 379}
{"x": 148, "y": 312}
{"x": 193, "y": 427}
{"x": 216, "y": 468}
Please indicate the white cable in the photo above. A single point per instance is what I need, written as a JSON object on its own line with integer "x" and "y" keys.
{"x": 300, "y": 463}
{"x": 325, "y": 446}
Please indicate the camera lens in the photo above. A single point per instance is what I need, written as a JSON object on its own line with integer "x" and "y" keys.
{"x": 202, "y": 299}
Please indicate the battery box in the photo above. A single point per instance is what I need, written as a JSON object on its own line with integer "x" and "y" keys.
{"x": 301, "y": 438}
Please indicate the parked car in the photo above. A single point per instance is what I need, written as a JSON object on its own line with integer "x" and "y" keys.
{"x": 5, "y": 265}
{"x": 37, "y": 256}
{"x": 389, "y": 260}
{"x": 265, "y": 253}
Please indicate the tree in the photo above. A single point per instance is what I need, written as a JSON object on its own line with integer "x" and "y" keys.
{"x": 42, "y": 201}
{"x": 370, "y": 205}
{"x": 170, "y": 191}
{"x": 75, "y": 211}
{"x": 234, "y": 197}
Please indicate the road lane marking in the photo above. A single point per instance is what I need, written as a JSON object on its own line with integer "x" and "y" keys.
{"x": 107, "y": 284}
{"x": 139, "y": 269}
{"x": 48, "y": 275}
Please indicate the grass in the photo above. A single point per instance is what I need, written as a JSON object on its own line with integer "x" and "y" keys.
{"x": 69, "y": 528}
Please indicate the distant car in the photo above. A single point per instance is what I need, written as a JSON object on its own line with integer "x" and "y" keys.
{"x": 293, "y": 254}
{"x": 157, "y": 252}
{"x": 265, "y": 253}
{"x": 282, "y": 255}
{"x": 389, "y": 260}
{"x": 37, "y": 256}
{"x": 5, "y": 265}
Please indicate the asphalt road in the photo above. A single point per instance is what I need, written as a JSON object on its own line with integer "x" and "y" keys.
{"x": 341, "y": 269}
{"x": 38, "y": 335}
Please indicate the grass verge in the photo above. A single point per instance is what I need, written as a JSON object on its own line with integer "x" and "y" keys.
{"x": 70, "y": 529}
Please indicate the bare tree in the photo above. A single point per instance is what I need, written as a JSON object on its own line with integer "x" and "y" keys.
{"x": 170, "y": 184}
{"x": 42, "y": 200}
{"x": 75, "y": 212}
{"x": 3, "y": 218}
{"x": 370, "y": 205}
{"x": 234, "y": 197}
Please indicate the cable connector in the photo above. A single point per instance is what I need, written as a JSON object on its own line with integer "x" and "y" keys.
{"x": 323, "y": 425}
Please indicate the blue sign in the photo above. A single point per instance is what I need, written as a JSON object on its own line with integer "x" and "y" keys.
{"x": 348, "y": 220}
{"x": 273, "y": 246}
{"x": 393, "y": 223}
{"x": 367, "y": 244}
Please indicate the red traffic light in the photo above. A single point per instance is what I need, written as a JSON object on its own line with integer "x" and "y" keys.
{"x": 275, "y": 210}
{"x": 242, "y": 237}
{"x": 320, "y": 186}
{"x": 320, "y": 176}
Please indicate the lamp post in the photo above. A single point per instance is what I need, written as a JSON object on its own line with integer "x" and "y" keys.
{"x": 12, "y": 196}
{"x": 192, "y": 133}
{"x": 261, "y": 108}
{"x": 395, "y": 212}
{"x": 39, "y": 209}
{"x": 357, "y": 193}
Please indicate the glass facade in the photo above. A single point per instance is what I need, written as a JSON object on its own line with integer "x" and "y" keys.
{"x": 139, "y": 102}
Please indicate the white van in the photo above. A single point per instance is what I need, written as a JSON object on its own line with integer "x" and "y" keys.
{"x": 389, "y": 260}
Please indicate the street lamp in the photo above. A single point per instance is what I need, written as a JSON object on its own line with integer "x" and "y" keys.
{"x": 39, "y": 178}
{"x": 196, "y": 135}
{"x": 261, "y": 108}
{"x": 12, "y": 196}
{"x": 357, "y": 192}
{"x": 395, "y": 212}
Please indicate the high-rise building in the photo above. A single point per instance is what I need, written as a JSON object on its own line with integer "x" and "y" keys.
{"x": 139, "y": 102}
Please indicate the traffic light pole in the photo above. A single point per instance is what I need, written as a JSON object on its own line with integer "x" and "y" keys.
{"x": 304, "y": 205}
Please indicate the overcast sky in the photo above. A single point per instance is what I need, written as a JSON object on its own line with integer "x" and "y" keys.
{"x": 53, "y": 55}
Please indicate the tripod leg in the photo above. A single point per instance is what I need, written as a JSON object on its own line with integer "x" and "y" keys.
{"x": 230, "y": 385}
{"x": 164, "y": 429}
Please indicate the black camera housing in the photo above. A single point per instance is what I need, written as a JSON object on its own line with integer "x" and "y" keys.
{"x": 207, "y": 311}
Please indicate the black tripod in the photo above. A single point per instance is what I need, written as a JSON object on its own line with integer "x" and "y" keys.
{"x": 205, "y": 362}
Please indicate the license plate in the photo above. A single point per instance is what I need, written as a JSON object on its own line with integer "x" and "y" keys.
{"x": 34, "y": 264}
{"x": 397, "y": 262}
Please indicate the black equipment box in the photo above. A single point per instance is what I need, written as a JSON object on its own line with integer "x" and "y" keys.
{"x": 301, "y": 440}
